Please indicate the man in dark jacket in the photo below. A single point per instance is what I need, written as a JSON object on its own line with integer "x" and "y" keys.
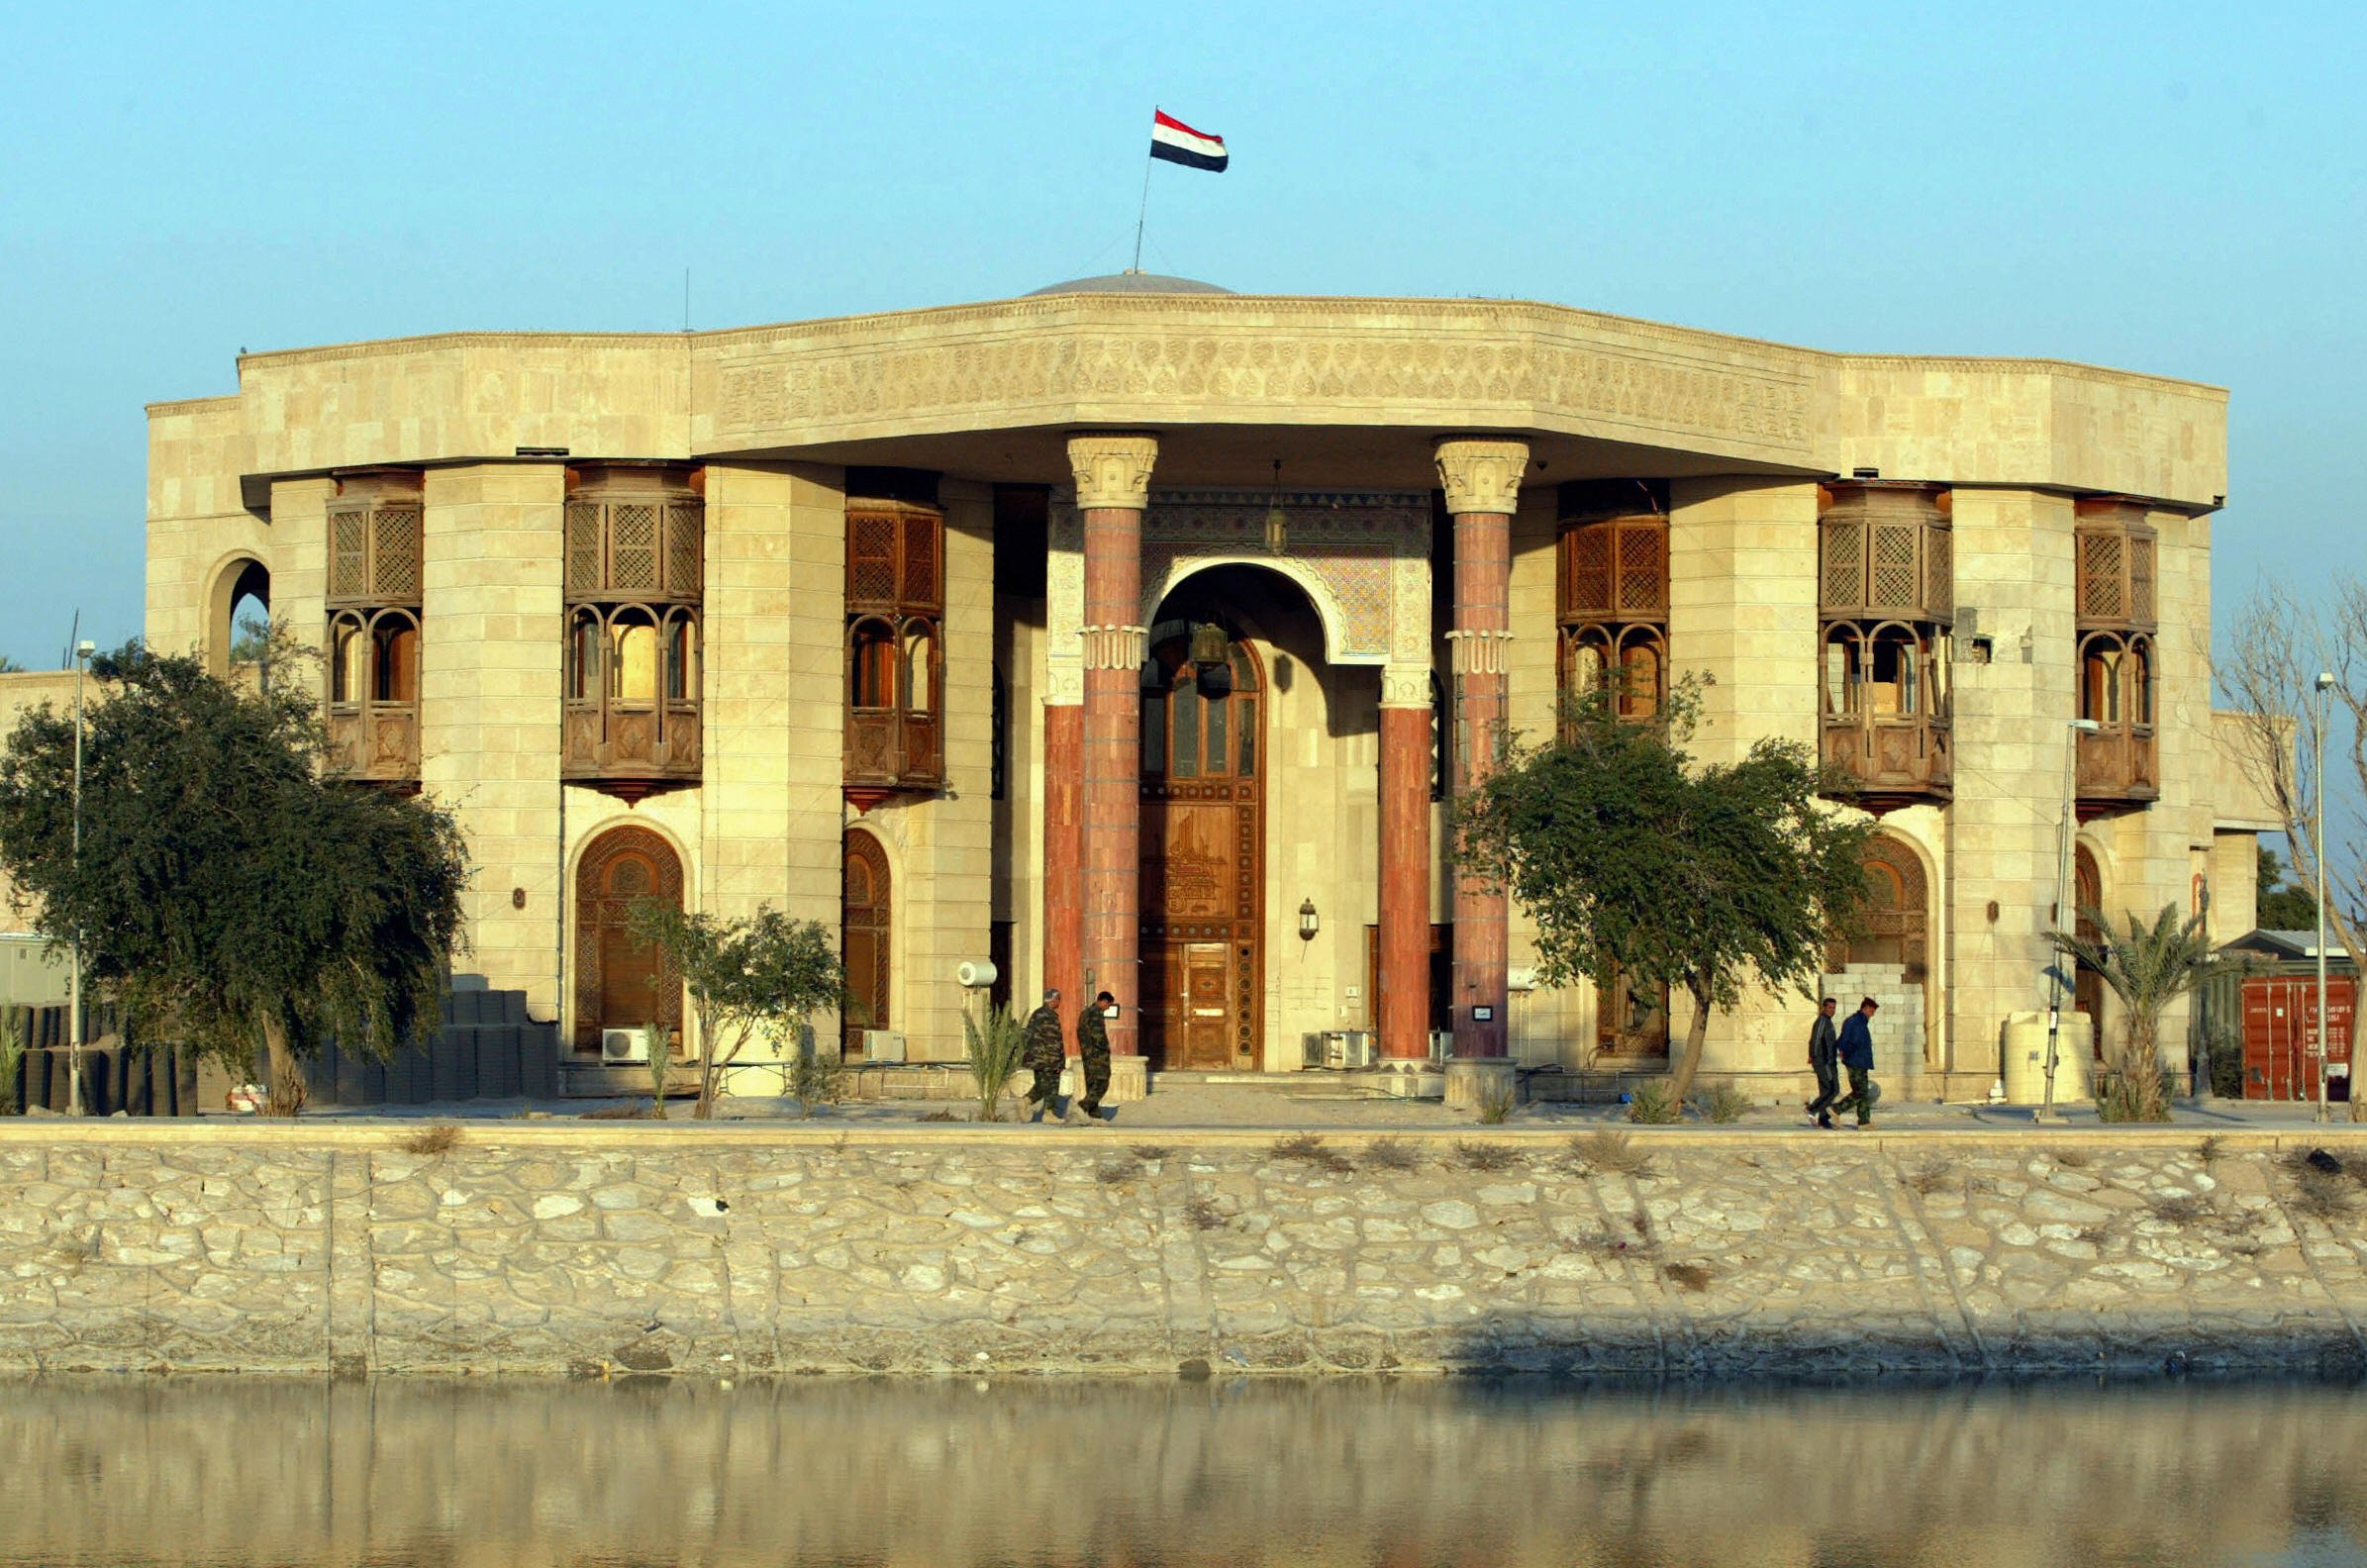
{"x": 1824, "y": 1058}
{"x": 1044, "y": 1056}
{"x": 1857, "y": 1059}
{"x": 1093, "y": 1044}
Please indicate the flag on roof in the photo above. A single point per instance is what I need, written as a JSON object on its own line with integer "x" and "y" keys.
{"x": 1177, "y": 143}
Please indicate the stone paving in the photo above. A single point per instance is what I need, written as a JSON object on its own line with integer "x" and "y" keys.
{"x": 735, "y": 1249}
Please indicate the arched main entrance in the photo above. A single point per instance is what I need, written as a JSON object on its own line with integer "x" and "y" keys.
{"x": 1202, "y": 840}
{"x": 2087, "y": 990}
{"x": 620, "y": 982}
{"x": 866, "y": 915}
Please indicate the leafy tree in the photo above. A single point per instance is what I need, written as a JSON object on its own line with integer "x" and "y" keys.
{"x": 767, "y": 971}
{"x": 1634, "y": 859}
{"x": 2147, "y": 967}
{"x": 9, "y": 666}
{"x": 2283, "y": 907}
{"x": 230, "y": 890}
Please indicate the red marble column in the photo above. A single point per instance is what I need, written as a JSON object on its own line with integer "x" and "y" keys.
{"x": 1403, "y": 1004}
{"x": 1113, "y": 474}
{"x": 1064, "y": 859}
{"x": 1482, "y": 480}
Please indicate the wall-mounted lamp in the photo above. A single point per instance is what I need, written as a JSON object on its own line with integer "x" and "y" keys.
{"x": 1277, "y": 521}
{"x": 1309, "y": 922}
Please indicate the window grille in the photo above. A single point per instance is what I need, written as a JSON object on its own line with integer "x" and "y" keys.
{"x": 633, "y": 544}
{"x": 895, "y": 659}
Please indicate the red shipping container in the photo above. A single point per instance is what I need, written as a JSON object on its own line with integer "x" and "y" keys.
{"x": 2280, "y": 1035}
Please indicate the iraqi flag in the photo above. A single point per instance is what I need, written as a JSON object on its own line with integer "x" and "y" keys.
{"x": 1177, "y": 143}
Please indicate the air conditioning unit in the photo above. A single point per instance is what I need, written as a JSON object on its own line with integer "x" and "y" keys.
{"x": 1347, "y": 1049}
{"x": 1441, "y": 1044}
{"x": 623, "y": 1048}
{"x": 883, "y": 1046}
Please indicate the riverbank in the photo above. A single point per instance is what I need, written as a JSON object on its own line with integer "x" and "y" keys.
{"x": 740, "y": 1249}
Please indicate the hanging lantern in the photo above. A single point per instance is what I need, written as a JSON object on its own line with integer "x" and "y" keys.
{"x": 1277, "y": 522}
{"x": 1211, "y": 656}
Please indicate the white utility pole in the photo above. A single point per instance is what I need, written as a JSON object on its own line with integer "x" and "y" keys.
{"x": 73, "y": 1023}
{"x": 2326, "y": 684}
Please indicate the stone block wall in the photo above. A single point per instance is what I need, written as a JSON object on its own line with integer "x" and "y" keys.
{"x": 743, "y": 1250}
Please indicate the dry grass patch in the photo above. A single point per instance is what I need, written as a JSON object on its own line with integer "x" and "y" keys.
{"x": 1687, "y": 1276}
{"x": 1309, "y": 1150}
{"x": 1610, "y": 1153}
{"x": 1477, "y": 1156}
{"x": 1930, "y": 1174}
{"x": 631, "y": 1112}
{"x": 441, "y": 1137}
{"x": 2211, "y": 1148}
{"x": 2073, "y": 1159}
{"x": 1151, "y": 1153}
{"x": 1394, "y": 1154}
{"x": 1117, "y": 1172}
{"x": 1203, "y": 1213}
{"x": 2181, "y": 1209}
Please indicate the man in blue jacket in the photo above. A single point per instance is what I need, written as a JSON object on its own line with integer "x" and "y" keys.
{"x": 1857, "y": 1059}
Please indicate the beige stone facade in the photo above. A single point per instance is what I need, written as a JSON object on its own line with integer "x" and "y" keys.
{"x": 1292, "y": 496}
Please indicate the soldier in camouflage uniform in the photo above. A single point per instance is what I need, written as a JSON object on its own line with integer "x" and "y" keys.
{"x": 1044, "y": 1056}
{"x": 1093, "y": 1043}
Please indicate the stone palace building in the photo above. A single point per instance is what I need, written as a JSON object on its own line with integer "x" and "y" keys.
{"x": 1135, "y": 635}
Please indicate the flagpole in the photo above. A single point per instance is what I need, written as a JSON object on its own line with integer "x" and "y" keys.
{"x": 1144, "y": 210}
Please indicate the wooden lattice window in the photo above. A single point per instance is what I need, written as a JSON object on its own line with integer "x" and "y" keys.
{"x": 1613, "y": 609}
{"x": 632, "y": 544}
{"x": 377, "y": 568}
{"x": 895, "y": 654}
{"x": 2115, "y": 557}
{"x": 1885, "y": 549}
{"x": 1886, "y": 579}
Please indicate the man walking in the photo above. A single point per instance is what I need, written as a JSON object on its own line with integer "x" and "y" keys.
{"x": 1043, "y": 1057}
{"x": 1093, "y": 1043}
{"x": 1824, "y": 1058}
{"x": 1857, "y": 1059}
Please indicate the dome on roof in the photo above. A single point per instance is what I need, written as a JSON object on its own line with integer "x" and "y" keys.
{"x": 1131, "y": 283}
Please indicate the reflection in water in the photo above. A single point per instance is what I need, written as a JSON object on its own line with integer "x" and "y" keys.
{"x": 407, "y": 1474}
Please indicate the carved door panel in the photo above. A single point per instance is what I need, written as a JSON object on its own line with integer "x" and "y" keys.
{"x": 619, "y": 981}
{"x": 1206, "y": 1006}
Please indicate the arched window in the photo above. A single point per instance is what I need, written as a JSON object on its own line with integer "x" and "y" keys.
{"x": 1198, "y": 714}
{"x": 635, "y": 576}
{"x": 895, "y": 661}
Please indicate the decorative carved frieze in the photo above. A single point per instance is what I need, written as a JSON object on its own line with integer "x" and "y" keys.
{"x": 1481, "y": 473}
{"x": 1115, "y": 647}
{"x": 1112, "y": 470}
{"x": 1480, "y": 653}
{"x": 1028, "y": 372}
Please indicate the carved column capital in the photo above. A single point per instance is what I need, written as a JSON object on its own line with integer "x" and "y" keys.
{"x": 1481, "y": 473}
{"x": 1406, "y": 686}
{"x": 1119, "y": 647}
{"x": 1113, "y": 468}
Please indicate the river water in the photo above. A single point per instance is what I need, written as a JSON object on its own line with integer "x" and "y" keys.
{"x": 409, "y": 1474}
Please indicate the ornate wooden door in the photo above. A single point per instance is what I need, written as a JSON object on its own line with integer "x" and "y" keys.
{"x": 1203, "y": 851}
{"x": 2087, "y": 994}
{"x": 619, "y": 982}
{"x": 866, "y": 917}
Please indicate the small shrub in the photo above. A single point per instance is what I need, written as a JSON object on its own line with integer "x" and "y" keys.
{"x": 630, "y": 1112}
{"x": 1202, "y": 1214}
{"x": 2096, "y": 1235}
{"x": 1499, "y": 1098}
{"x": 2211, "y": 1148}
{"x": 1474, "y": 1155}
{"x": 1931, "y": 1175}
{"x": 1724, "y": 1104}
{"x": 1653, "y": 1105}
{"x": 1391, "y": 1153}
{"x": 1309, "y": 1149}
{"x": 1117, "y": 1172}
{"x": 1612, "y": 1154}
{"x": 2320, "y": 1194}
{"x": 1151, "y": 1153}
{"x": 994, "y": 1045}
{"x": 2072, "y": 1159}
{"x": 2127, "y": 1097}
{"x": 2179, "y": 1209}
{"x": 817, "y": 1077}
{"x": 1687, "y": 1276}
{"x": 441, "y": 1137}
{"x": 661, "y": 1064}
{"x": 941, "y": 1115}
{"x": 16, "y": 1037}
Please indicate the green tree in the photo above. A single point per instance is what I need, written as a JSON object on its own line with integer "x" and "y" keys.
{"x": 230, "y": 891}
{"x": 2283, "y": 907}
{"x": 1633, "y": 858}
{"x": 994, "y": 1042}
{"x": 767, "y": 971}
{"x": 2147, "y": 967}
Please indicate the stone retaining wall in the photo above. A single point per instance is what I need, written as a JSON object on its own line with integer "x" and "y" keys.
{"x": 744, "y": 1249}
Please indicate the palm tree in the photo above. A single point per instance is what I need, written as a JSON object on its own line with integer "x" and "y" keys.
{"x": 2148, "y": 968}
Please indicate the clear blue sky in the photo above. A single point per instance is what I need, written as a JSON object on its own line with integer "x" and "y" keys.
{"x": 2165, "y": 188}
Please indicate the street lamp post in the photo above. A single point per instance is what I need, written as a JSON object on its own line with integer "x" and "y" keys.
{"x": 2047, "y": 1113}
{"x": 2326, "y": 684}
{"x": 74, "y": 1024}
